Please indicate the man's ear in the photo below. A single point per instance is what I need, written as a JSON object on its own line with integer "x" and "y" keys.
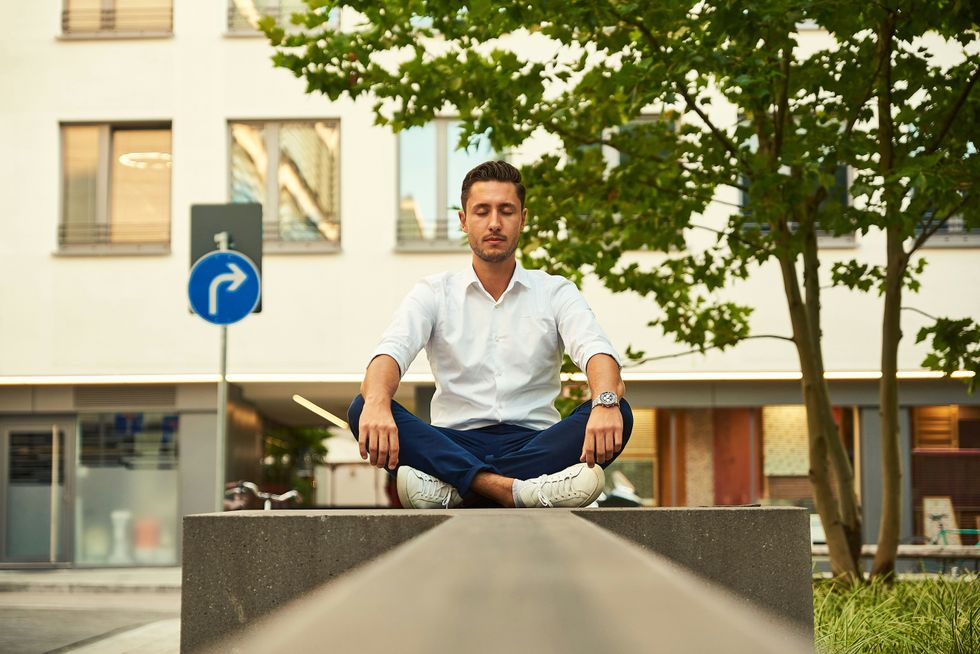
{"x": 523, "y": 218}
{"x": 462, "y": 221}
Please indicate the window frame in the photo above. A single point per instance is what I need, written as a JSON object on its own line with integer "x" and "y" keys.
{"x": 109, "y": 6}
{"x": 442, "y": 193}
{"x": 271, "y": 205}
{"x": 281, "y": 13}
{"x": 943, "y": 240}
{"x": 103, "y": 192}
{"x": 825, "y": 240}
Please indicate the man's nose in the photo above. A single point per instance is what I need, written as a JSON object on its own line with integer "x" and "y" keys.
{"x": 495, "y": 221}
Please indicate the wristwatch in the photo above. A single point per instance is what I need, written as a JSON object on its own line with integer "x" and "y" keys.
{"x": 608, "y": 398}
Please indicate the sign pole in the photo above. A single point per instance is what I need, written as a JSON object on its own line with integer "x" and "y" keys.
{"x": 221, "y": 239}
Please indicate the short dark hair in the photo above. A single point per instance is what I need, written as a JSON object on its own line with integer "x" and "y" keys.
{"x": 492, "y": 171}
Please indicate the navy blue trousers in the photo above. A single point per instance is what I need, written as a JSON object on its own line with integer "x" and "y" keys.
{"x": 455, "y": 456}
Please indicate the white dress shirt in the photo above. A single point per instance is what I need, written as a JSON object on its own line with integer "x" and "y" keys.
{"x": 494, "y": 361}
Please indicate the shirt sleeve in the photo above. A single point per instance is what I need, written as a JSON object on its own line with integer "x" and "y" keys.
{"x": 578, "y": 327}
{"x": 410, "y": 328}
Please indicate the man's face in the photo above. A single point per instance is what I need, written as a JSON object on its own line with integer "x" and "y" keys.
{"x": 493, "y": 220}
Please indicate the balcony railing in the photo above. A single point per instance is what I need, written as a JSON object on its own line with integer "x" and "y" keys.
{"x": 243, "y": 15}
{"x": 413, "y": 236}
{"x": 122, "y": 20}
{"x": 110, "y": 234}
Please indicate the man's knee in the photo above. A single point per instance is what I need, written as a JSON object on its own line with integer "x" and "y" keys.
{"x": 354, "y": 413}
{"x": 627, "y": 413}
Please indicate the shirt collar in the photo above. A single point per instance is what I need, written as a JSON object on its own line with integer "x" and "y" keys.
{"x": 520, "y": 276}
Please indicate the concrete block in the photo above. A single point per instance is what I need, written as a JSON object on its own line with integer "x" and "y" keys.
{"x": 761, "y": 554}
{"x": 519, "y": 581}
{"x": 241, "y": 565}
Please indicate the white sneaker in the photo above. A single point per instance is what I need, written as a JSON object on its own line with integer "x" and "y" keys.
{"x": 575, "y": 486}
{"x": 418, "y": 490}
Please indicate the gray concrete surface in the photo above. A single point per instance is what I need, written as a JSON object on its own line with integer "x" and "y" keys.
{"x": 762, "y": 554}
{"x": 240, "y": 565}
{"x": 518, "y": 581}
{"x": 115, "y": 580}
{"x": 49, "y": 621}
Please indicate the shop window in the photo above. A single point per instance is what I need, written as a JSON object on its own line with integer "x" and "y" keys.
{"x": 126, "y": 496}
{"x": 634, "y": 470}
{"x": 945, "y": 469}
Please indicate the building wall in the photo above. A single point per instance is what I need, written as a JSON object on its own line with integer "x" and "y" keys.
{"x": 322, "y": 312}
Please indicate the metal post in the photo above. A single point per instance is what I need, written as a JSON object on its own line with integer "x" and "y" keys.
{"x": 673, "y": 457}
{"x": 55, "y": 480}
{"x": 221, "y": 239}
{"x": 753, "y": 454}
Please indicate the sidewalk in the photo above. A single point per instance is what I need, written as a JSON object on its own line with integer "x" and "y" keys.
{"x": 90, "y": 611}
{"x": 112, "y": 580}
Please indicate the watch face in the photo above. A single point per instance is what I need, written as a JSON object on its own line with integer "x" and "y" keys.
{"x": 607, "y": 398}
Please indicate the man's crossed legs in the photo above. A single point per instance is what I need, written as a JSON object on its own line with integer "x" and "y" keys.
{"x": 506, "y": 464}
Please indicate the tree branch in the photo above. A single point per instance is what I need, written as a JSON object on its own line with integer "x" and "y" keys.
{"x": 782, "y": 108}
{"x": 680, "y": 86}
{"x": 935, "y": 225}
{"x": 921, "y": 312}
{"x": 676, "y": 355}
{"x": 960, "y": 101}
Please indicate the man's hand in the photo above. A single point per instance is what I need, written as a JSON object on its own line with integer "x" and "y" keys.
{"x": 603, "y": 435}
{"x": 378, "y": 435}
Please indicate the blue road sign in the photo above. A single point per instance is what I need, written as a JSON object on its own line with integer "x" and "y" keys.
{"x": 224, "y": 287}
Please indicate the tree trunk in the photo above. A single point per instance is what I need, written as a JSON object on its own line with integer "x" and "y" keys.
{"x": 891, "y": 334}
{"x": 841, "y": 535}
{"x": 891, "y": 465}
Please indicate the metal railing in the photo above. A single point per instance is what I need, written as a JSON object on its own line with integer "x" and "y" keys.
{"x": 299, "y": 231}
{"x": 108, "y": 233}
{"x": 243, "y": 14}
{"x": 412, "y": 235}
{"x": 128, "y": 20}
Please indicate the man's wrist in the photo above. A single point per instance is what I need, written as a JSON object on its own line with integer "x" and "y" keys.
{"x": 607, "y": 399}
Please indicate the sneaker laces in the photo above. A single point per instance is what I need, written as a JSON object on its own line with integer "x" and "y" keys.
{"x": 431, "y": 487}
{"x": 561, "y": 488}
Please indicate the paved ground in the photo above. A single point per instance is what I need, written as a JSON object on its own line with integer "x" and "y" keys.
{"x": 89, "y": 611}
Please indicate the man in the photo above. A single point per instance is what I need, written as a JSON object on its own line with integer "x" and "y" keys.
{"x": 494, "y": 335}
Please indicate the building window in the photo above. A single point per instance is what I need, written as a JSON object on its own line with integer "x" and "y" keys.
{"x": 117, "y": 17}
{"x": 244, "y": 15}
{"x": 837, "y": 193}
{"x": 291, "y": 168}
{"x": 954, "y": 233}
{"x": 115, "y": 186}
{"x": 431, "y": 168}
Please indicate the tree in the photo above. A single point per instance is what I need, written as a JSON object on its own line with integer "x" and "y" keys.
{"x": 584, "y": 74}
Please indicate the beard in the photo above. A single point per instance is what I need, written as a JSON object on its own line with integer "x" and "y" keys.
{"x": 492, "y": 256}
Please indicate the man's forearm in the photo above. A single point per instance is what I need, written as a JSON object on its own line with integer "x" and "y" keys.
{"x": 603, "y": 374}
{"x": 381, "y": 380}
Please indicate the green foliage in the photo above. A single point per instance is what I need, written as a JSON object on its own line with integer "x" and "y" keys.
{"x": 933, "y": 615}
{"x": 573, "y": 392}
{"x": 645, "y": 81}
{"x": 955, "y": 346}
{"x": 291, "y": 453}
{"x": 863, "y": 277}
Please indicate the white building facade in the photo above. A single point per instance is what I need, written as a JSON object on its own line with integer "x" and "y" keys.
{"x": 119, "y": 115}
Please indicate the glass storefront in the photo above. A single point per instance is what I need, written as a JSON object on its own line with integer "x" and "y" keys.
{"x": 126, "y": 509}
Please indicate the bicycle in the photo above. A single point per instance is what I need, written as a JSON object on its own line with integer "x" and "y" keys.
{"x": 236, "y": 496}
{"x": 943, "y": 533}
{"x": 942, "y": 539}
